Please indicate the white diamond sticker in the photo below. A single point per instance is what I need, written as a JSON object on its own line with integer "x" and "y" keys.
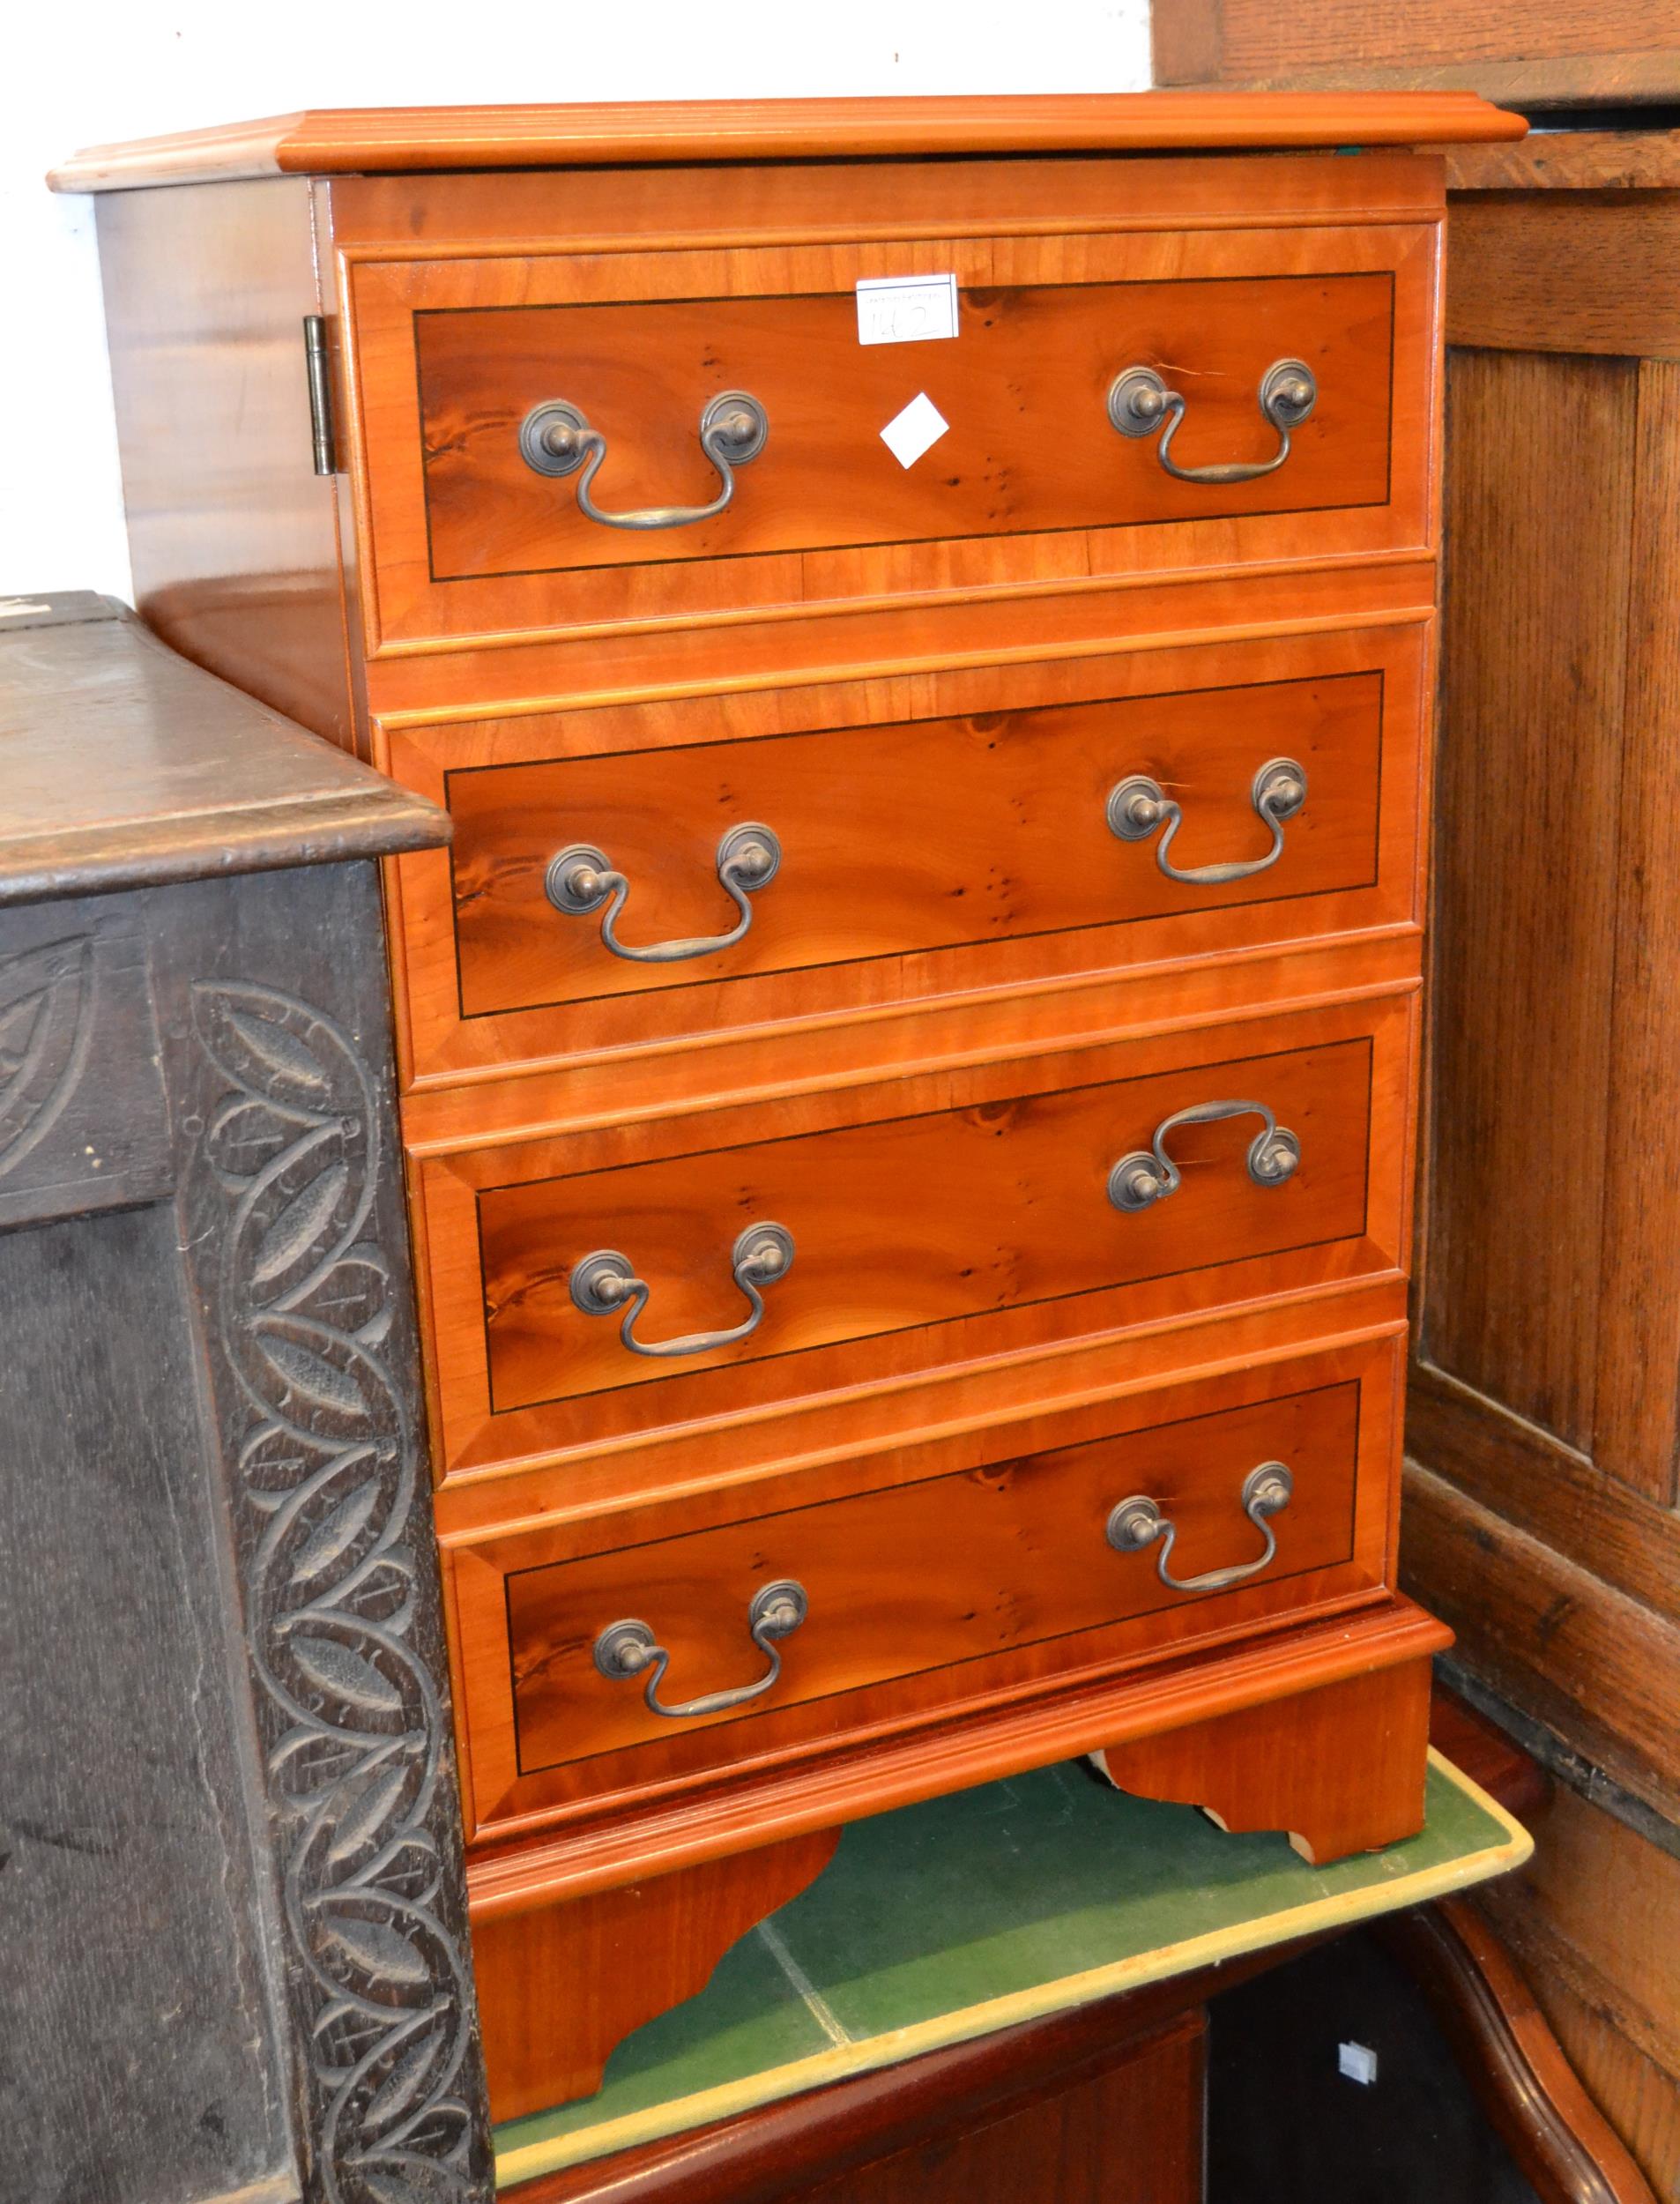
{"x": 914, "y": 431}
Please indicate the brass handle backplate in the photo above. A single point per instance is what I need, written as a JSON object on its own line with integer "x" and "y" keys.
{"x": 555, "y": 438}
{"x": 1139, "y": 805}
{"x": 603, "y": 1282}
{"x": 1141, "y": 1521}
{"x": 1148, "y": 1175}
{"x": 1140, "y": 403}
{"x": 630, "y": 1648}
{"x": 580, "y": 879}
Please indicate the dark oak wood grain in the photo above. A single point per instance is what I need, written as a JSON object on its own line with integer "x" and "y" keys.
{"x": 134, "y": 1911}
{"x": 1609, "y": 50}
{"x": 1609, "y": 160}
{"x": 1591, "y": 1922}
{"x": 1539, "y": 1626}
{"x": 84, "y": 1124}
{"x": 1542, "y": 1409}
{"x": 1523, "y": 885}
{"x": 1568, "y": 271}
{"x": 175, "y": 774}
{"x": 291, "y": 1225}
{"x": 236, "y": 1937}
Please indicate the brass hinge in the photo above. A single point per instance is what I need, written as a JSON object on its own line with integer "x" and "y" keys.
{"x": 319, "y": 370}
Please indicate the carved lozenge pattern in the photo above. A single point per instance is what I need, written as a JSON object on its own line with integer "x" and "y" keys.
{"x": 44, "y": 996}
{"x": 352, "y": 1730}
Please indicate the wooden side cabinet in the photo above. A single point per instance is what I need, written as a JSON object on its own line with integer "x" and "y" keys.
{"x": 232, "y": 1902}
{"x": 908, "y": 1069}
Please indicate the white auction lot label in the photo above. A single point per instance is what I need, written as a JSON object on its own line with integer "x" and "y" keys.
{"x": 906, "y": 309}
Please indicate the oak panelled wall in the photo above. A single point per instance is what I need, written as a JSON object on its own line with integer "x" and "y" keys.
{"x": 1543, "y": 1415}
{"x": 909, "y": 1065}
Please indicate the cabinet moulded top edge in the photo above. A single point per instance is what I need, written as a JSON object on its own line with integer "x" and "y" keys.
{"x": 406, "y": 140}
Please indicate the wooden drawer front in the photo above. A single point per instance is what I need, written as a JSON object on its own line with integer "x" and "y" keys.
{"x": 926, "y": 1229}
{"x": 907, "y": 838}
{"x": 958, "y": 1578}
{"x": 921, "y": 1220}
{"x": 963, "y": 848}
{"x": 1030, "y": 448}
{"x": 1029, "y": 479}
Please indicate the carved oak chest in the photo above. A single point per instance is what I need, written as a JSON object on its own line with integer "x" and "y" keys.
{"x": 232, "y": 1911}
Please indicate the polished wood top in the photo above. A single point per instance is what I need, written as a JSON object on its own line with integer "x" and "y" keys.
{"x": 383, "y": 140}
{"x": 123, "y": 766}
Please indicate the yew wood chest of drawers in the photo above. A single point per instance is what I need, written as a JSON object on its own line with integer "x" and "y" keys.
{"x": 921, "y": 615}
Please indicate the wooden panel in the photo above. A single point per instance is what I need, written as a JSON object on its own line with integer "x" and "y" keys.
{"x": 769, "y": 1797}
{"x": 837, "y": 2132}
{"x": 1026, "y": 489}
{"x": 1595, "y": 1921}
{"x": 1528, "y": 789}
{"x": 1341, "y": 1770}
{"x": 233, "y": 539}
{"x": 954, "y": 1410}
{"x": 1514, "y": 50}
{"x": 1076, "y": 2132}
{"x": 560, "y": 1987}
{"x": 806, "y": 201}
{"x": 964, "y": 1216}
{"x": 1593, "y": 1666}
{"x": 289, "y": 1235}
{"x": 1533, "y": 1480}
{"x": 1013, "y": 1249}
{"x": 896, "y": 638}
{"x": 132, "y": 1913}
{"x": 1566, "y": 271}
{"x": 1004, "y": 759}
{"x": 1636, "y": 1430}
{"x": 943, "y": 1578}
{"x": 173, "y": 774}
{"x": 925, "y": 1576}
{"x": 1021, "y": 845}
{"x": 1641, "y": 2097}
{"x": 1609, "y": 160}
{"x": 83, "y": 1121}
{"x": 1492, "y": 1760}
{"x": 1029, "y": 446}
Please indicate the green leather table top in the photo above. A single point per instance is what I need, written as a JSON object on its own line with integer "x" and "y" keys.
{"x": 965, "y": 1914}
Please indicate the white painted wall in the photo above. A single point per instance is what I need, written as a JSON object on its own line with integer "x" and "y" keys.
{"x": 80, "y": 72}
